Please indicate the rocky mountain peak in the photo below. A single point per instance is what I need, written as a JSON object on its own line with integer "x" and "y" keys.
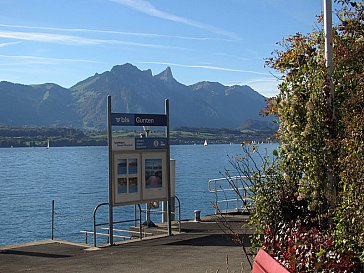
{"x": 213, "y": 88}
{"x": 166, "y": 75}
{"x": 129, "y": 69}
{"x": 123, "y": 68}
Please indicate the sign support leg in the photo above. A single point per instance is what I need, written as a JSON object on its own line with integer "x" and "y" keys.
{"x": 168, "y": 155}
{"x": 109, "y": 139}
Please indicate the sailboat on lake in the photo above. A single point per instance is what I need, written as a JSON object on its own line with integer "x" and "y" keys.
{"x": 48, "y": 144}
{"x": 205, "y": 143}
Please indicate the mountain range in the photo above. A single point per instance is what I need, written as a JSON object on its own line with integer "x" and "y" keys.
{"x": 204, "y": 104}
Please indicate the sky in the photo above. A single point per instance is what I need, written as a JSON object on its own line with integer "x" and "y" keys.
{"x": 226, "y": 41}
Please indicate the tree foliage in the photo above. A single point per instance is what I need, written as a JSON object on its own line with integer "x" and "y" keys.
{"x": 318, "y": 182}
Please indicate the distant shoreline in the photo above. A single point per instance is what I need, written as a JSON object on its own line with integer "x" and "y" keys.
{"x": 66, "y": 137}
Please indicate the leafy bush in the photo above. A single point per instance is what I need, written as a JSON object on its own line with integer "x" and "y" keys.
{"x": 309, "y": 208}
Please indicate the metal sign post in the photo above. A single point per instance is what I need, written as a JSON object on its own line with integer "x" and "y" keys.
{"x": 332, "y": 178}
{"x": 139, "y": 168}
{"x": 109, "y": 140}
{"x": 168, "y": 170}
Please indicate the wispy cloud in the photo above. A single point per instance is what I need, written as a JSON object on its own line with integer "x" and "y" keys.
{"x": 265, "y": 86}
{"x": 147, "y": 8}
{"x": 18, "y": 59}
{"x": 69, "y": 39}
{"x": 103, "y": 31}
{"x": 207, "y": 67}
{"x": 257, "y": 80}
{"x": 268, "y": 89}
{"x": 9, "y": 44}
{"x": 232, "y": 56}
{"x": 49, "y": 37}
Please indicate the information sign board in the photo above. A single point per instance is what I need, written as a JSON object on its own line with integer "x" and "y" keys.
{"x": 139, "y": 169}
{"x": 125, "y": 119}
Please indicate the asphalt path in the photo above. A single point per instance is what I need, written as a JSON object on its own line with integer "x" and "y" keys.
{"x": 205, "y": 246}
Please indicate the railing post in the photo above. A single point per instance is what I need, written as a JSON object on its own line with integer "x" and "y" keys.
{"x": 140, "y": 222}
{"x": 164, "y": 211}
{"x": 237, "y": 193}
{"x": 94, "y": 216}
{"x": 135, "y": 221}
{"x": 52, "y": 236}
{"x": 179, "y": 213}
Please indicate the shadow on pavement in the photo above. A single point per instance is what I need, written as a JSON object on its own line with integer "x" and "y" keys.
{"x": 213, "y": 240}
{"x": 30, "y": 253}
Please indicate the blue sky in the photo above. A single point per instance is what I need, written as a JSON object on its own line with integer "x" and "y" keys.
{"x": 66, "y": 41}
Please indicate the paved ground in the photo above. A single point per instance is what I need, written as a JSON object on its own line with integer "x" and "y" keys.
{"x": 201, "y": 247}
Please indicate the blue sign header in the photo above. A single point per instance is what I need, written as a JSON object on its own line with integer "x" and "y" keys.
{"x": 120, "y": 119}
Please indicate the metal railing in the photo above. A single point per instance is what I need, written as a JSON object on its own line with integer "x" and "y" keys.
{"x": 163, "y": 212}
{"x": 95, "y": 225}
{"x": 140, "y": 234}
{"x": 232, "y": 194}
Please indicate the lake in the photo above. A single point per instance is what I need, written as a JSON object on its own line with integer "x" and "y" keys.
{"x": 77, "y": 179}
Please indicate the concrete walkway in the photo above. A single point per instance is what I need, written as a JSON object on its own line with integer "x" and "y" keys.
{"x": 200, "y": 247}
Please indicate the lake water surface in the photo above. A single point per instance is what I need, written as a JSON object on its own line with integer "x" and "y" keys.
{"x": 77, "y": 179}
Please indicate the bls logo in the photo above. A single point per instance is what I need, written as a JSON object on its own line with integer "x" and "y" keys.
{"x": 122, "y": 120}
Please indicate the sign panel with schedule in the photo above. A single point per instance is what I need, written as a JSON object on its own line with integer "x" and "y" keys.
{"x": 139, "y": 175}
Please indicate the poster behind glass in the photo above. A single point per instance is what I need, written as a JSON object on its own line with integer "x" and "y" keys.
{"x": 153, "y": 173}
{"x": 127, "y": 180}
{"x": 154, "y": 176}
